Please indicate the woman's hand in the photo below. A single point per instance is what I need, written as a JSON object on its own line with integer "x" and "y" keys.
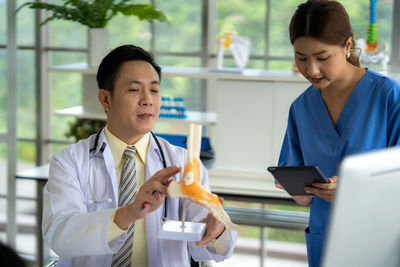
{"x": 324, "y": 190}
{"x": 301, "y": 200}
{"x": 279, "y": 186}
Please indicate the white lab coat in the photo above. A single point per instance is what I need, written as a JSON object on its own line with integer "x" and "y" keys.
{"x": 77, "y": 230}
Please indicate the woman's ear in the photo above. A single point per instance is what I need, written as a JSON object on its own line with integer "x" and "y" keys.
{"x": 349, "y": 43}
{"x": 104, "y": 97}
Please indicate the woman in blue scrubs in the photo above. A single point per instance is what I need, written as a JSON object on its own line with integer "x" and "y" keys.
{"x": 346, "y": 110}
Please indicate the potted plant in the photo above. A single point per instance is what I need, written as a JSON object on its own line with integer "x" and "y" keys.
{"x": 95, "y": 14}
{"x": 83, "y": 128}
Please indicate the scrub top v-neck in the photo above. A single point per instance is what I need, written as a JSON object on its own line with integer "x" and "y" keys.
{"x": 369, "y": 120}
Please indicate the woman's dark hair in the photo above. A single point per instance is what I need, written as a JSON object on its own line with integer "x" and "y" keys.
{"x": 326, "y": 21}
{"x": 111, "y": 64}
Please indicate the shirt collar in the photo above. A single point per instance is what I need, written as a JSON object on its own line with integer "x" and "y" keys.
{"x": 118, "y": 147}
{"x": 142, "y": 146}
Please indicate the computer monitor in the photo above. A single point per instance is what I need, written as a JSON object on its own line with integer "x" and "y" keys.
{"x": 364, "y": 227}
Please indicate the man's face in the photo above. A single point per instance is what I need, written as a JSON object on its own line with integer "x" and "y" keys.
{"x": 134, "y": 105}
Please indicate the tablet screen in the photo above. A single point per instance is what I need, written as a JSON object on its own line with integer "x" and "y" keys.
{"x": 295, "y": 178}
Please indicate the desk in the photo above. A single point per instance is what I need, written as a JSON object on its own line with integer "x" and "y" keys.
{"x": 40, "y": 174}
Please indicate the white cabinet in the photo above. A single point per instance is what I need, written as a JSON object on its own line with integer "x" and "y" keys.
{"x": 252, "y": 118}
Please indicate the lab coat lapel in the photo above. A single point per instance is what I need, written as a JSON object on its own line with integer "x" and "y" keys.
{"x": 154, "y": 160}
{"x": 153, "y": 219}
{"x": 109, "y": 162}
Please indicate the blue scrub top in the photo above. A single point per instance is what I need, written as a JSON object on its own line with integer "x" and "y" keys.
{"x": 370, "y": 120}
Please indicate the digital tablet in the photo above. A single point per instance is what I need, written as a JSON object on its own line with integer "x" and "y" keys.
{"x": 295, "y": 178}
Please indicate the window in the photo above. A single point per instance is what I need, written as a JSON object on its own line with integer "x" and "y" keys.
{"x": 25, "y": 25}
{"x": 3, "y": 91}
{"x": 171, "y": 36}
{"x": 3, "y": 22}
{"x": 3, "y": 170}
{"x": 3, "y": 112}
{"x": 134, "y": 32}
{"x": 252, "y": 20}
{"x": 66, "y": 91}
{"x": 246, "y": 20}
{"x": 26, "y": 115}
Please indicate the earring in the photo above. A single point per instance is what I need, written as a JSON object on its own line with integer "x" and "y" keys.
{"x": 348, "y": 54}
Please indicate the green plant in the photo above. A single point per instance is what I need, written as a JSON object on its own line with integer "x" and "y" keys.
{"x": 83, "y": 128}
{"x": 96, "y": 13}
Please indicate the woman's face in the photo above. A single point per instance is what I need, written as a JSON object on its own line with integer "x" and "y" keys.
{"x": 320, "y": 63}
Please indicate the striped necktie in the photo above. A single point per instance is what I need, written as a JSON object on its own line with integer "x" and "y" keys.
{"x": 127, "y": 194}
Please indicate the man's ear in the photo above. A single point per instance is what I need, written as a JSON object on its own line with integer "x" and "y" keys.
{"x": 104, "y": 97}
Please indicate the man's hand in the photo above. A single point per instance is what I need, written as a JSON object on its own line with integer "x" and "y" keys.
{"x": 214, "y": 228}
{"x": 324, "y": 190}
{"x": 149, "y": 197}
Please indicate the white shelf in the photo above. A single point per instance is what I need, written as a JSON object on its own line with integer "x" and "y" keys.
{"x": 77, "y": 67}
{"x": 192, "y": 116}
{"x": 195, "y": 117}
{"x": 202, "y": 73}
{"x": 230, "y": 74}
{"x": 79, "y": 112}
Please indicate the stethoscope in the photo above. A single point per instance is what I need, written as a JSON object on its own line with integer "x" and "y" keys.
{"x": 92, "y": 199}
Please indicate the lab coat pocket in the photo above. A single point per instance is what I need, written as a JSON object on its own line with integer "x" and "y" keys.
{"x": 314, "y": 243}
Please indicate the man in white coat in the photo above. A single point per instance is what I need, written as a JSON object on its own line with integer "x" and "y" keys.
{"x": 84, "y": 221}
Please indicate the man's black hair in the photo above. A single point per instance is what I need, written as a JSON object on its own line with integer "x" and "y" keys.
{"x": 111, "y": 64}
